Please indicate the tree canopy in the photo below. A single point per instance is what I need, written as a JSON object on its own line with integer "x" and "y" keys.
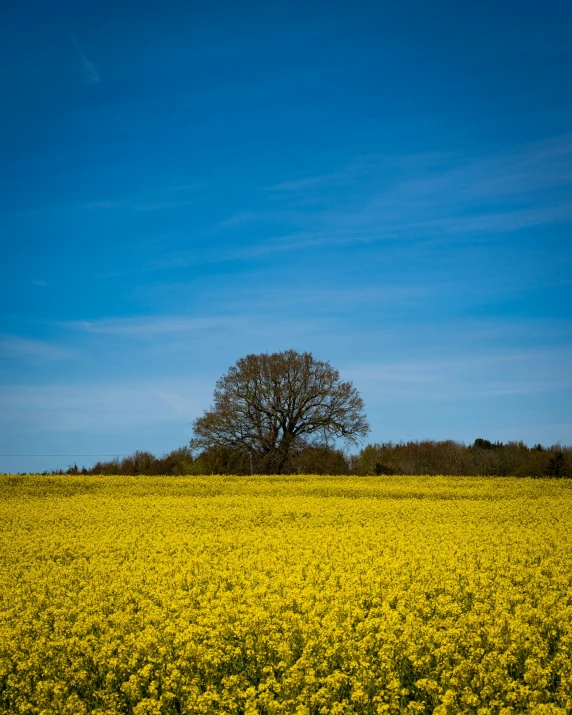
{"x": 268, "y": 405}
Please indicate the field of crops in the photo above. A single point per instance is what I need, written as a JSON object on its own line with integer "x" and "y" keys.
{"x": 285, "y": 595}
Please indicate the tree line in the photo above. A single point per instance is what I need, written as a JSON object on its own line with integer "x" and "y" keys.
{"x": 481, "y": 458}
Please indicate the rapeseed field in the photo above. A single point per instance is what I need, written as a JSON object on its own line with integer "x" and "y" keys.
{"x": 303, "y": 594}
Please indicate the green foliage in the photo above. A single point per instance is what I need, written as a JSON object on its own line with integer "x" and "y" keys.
{"x": 386, "y": 458}
{"x": 480, "y": 443}
{"x": 448, "y": 457}
{"x": 557, "y": 466}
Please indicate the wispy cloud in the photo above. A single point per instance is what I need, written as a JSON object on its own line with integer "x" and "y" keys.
{"x": 140, "y": 204}
{"x": 101, "y": 205}
{"x": 312, "y": 182}
{"x": 144, "y": 327}
{"x": 73, "y": 407}
{"x": 179, "y": 403}
{"x": 516, "y": 372}
{"x": 245, "y": 217}
{"x": 147, "y": 205}
{"x": 527, "y": 168}
{"x": 354, "y": 171}
{"x": 89, "y": 67}
{"x": 255, "y": 323}
{"x": 13, "y": 346}
{"x": 412, "y": 198}
{"x": 477, "y": 183}
{"x": 163, "y": 205}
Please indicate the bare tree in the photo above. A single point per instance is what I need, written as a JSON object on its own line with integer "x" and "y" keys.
{"x": 268, "y": 405}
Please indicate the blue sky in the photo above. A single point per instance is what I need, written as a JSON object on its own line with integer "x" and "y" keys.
{"x": 387, "y": 185}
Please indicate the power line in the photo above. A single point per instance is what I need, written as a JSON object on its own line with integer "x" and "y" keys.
{"x": 77, "y": 455}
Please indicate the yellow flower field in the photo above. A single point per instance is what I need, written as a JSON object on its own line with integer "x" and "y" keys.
{"x": 276, "y": 595}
